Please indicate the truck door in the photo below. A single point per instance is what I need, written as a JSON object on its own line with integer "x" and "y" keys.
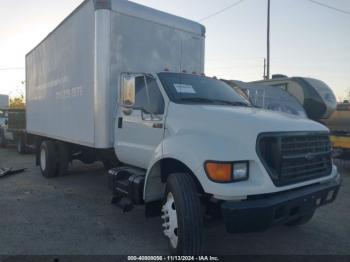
{"x": 140, "y": 123}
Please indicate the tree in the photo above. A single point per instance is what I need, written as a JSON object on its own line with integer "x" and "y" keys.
{"x": 17, "y": 102}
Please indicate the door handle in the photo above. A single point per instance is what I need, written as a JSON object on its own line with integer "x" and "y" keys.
{"x": 157, "y": 125}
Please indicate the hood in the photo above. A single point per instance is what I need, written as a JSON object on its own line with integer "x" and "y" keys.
{"x": 195, "y": 134}
{"x": 241, "y": 121}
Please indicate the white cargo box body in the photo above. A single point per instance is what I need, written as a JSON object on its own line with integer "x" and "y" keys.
{"x": 4, "y": 101}
{"x": 73, "y": 75}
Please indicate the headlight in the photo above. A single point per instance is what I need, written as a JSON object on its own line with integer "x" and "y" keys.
{"x": 240, "y": 171}
{"x": 227, "y": 172}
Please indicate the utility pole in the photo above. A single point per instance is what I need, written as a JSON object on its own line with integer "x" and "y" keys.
{"x": 264, "y": 76}
{"x": 268, "y": 40}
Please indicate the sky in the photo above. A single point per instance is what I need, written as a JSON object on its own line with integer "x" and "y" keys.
{"x": 306, "y": 39}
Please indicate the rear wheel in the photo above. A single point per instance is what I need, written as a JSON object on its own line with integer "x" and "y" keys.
{"x": 48, "y": 159}
{"x": 301, "y": 220}
{"x": 63, "y": 158}
{"x": 183, "y": 220}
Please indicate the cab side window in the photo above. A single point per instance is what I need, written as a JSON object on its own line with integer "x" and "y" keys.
{"x": 141, "y": 98}
{"x": 155, "y": 96}
{"x": 148, "y": 97}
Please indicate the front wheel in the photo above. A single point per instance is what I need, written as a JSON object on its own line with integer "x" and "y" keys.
{"x": 183, "y": 220}
{"x": 63, "y": 158}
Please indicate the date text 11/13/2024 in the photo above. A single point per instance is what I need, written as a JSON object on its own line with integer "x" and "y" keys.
{"x": 173, "y": 258}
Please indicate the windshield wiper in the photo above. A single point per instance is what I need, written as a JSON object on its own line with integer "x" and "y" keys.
{"x": 232, "y": 103}
{"x": 197, "y": 100}
{"x": 214, "y": 101}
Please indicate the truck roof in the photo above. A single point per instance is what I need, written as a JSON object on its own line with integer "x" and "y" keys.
{"x": 140, "y": 11}
{"x": 147, "y": 13}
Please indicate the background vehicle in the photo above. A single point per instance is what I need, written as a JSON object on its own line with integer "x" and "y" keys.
{"x": 315, "y": 96}
{"x": 17, "y": 126}
{"x": 13, "y": 130}
{"x": 339, "y": 124}
{"x": 99, "y": 88}
{"x": 4, "y": 106}
{"x": 3, "y": 128}
{"x": 4, "y": 102}
{"x": 3, "y": 117}
{"x": 269, "y": 97}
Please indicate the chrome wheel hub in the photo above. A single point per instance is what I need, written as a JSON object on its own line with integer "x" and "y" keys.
{"x": 170, "y": 220}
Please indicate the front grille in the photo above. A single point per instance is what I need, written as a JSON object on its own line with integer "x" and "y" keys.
{"x": 295, "y": 157}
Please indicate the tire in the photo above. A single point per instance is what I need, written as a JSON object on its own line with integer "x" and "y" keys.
{"x": 181, "y": 202}
{"x": 63, "y": 159}
{"x": 21, "y": 145}
{"x": 301, "y": 220}
{"x": 48, "y": 159}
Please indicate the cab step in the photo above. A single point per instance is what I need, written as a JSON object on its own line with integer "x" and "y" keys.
{"x": 126, "y": 184}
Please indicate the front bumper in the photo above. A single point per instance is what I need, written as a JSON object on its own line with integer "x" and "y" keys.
{"x": 261, "y": 212}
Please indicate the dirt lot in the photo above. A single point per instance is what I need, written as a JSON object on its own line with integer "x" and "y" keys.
{"x": 72, "y": 215}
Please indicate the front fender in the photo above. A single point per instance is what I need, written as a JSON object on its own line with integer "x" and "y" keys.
{"x": 154, "y": 188}
{"x": 191, "y": 150}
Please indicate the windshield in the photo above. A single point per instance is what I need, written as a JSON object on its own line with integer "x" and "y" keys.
{"x": 186, "y": 88}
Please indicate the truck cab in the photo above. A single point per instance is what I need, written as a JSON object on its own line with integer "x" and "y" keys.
{"x": 190, "y": 133}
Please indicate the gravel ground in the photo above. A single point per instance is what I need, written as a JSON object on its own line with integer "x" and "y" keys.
{"x": 72, "y": 215}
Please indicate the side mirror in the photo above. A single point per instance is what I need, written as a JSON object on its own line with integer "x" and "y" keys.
{"x": 128, "y": 91}
{"x": 6, "y": 122}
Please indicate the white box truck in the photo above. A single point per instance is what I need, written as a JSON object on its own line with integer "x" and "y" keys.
{"x": 4, "y": 106}
{"x": 122, "y": 83}
{"x": 4, "y": 102}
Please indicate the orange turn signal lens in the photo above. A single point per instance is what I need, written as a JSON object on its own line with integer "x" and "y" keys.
{"x": 219, "y": 172}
